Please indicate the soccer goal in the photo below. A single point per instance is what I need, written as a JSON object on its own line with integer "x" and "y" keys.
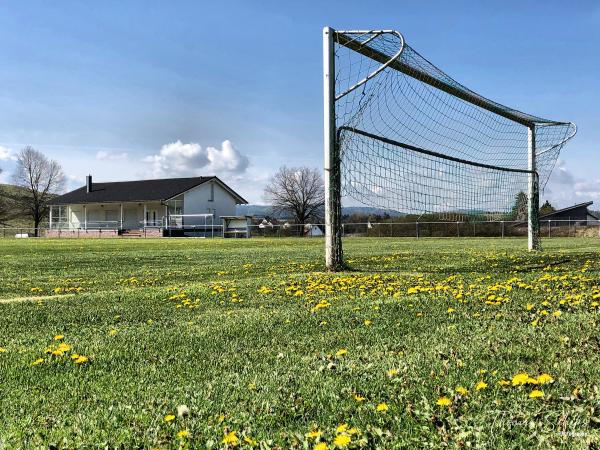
{"x": 192, "y": 224}
{"x": 402, "y": 135}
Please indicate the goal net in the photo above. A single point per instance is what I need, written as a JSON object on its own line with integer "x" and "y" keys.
{"x": 402, "y": 135}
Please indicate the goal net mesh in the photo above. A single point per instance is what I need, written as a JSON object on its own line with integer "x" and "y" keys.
{"x": 413, "y": 140}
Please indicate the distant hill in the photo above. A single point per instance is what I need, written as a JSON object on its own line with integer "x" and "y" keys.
{"x": 368, "y": 210}
{"x": 14, "y": 217}
{"x": 266, "y": 210}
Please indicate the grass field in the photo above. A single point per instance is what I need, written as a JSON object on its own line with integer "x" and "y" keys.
{"x": 426, "y": 343}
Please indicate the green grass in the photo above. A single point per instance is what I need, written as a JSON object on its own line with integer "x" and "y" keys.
{"x": 256, "y": 340}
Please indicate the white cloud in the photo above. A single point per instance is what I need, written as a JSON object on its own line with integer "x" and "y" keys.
{"x": 103, "y": 155}
{"x": 565, "y": 189}
{"x": 562, "y": 175}
{"x": 179, "y": 159}
{"x": 6, "y": 154}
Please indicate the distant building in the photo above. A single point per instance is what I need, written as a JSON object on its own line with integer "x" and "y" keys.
{"x": 573, "y": 215}
{"x": 149, "y": 206}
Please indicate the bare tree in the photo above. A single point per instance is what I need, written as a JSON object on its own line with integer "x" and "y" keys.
{"x": 41, "y": 178}
{"x": 297, "y": 191}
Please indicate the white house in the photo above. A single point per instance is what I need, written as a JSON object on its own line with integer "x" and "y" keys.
{"x": 155, "y": 206}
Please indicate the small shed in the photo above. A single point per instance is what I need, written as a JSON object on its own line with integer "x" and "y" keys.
{"x": 236, "y": 226}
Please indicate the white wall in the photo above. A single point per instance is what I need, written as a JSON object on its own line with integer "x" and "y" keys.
{"x": 196, "y": 201}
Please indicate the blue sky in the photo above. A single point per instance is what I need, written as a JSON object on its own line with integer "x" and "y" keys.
{"x": 125, "y": 90}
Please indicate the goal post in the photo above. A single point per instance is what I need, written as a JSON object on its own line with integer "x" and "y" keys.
{"x": 332, "y": 178}
{"x": 402, "y": 135}
{"x": 533, "y": 195}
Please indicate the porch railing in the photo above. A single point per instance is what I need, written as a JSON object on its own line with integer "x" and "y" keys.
{"x": 89, "y": 225}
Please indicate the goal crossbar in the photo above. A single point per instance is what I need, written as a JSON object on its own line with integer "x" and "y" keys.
{"x": 451, "y": 86}
{"x": 430, "y": 152}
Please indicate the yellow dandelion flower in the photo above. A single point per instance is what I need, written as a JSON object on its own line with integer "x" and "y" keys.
{"x": 503, "y": 382}
{"x": 169, "y": 418}
{"x": 63, "y": 347}
{"x": 545, "y": 378}
{"x": 112, "y": 332}
{"x": 183, "y": 434}
{"x": 230, "y": 438}
{"x": 81, "y": 359}
{"x": 2, "y": 350}
{"x": 520, "y": 379}
{"x": 251, "y": 442}
{"x": 392, "y": 373}
{"x": 313, "y": 434}
{"x": 382, "y": 407}
{"x": 536, "y": 393}
{"x": 451, "y": 310}
{"x": 368, "y": 323}
{"x": 341, "y": 352}
{"x": 481, "y": 385}
{"x": 359, "y": 398}
{"x": 461, "y": 390}
{"x": 59, "y": 337}
{"x": 575, "y": 392}
{"x": 342, "y": 440}
{"x": 556, "y": 313}
{"x": 37, "y": 362}
{"x": 443, "y": 401}
{"x": 341, "y": 428}
{"x": 321, "y": 446}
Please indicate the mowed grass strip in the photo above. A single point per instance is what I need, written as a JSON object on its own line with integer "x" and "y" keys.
{"x": 425, "y": 343}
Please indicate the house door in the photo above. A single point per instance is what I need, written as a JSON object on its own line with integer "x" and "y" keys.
{"x": 151, "y": 218}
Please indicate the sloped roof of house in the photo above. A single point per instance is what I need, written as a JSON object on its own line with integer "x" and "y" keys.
{"x": 569, "y": 208}
{"x": 558, "y": 212}
{"x": 138, "y": 191}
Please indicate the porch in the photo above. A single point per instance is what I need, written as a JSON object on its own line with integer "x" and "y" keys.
{"x": 109, "y": 216}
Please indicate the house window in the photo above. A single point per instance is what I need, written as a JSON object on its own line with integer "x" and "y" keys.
{"x": 59, "y": 214}
{"x": 175, "y": 207}
{"x": 212, "y": 192}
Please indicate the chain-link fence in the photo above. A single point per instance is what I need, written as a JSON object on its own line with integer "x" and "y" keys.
{"x": 548, "y": 229}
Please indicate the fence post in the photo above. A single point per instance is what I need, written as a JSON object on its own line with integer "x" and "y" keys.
{"x": 457, "y": 229}
{"x": 502, "y": 229}
{"x": 417, "y": 223}
{"x": 549, "y": 228}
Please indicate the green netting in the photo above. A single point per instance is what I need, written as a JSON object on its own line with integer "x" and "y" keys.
{"x": 413, "y": 140}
